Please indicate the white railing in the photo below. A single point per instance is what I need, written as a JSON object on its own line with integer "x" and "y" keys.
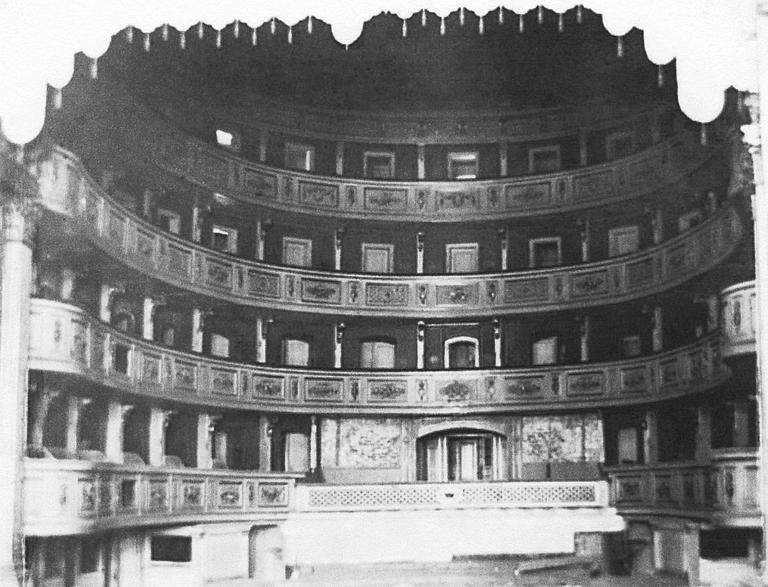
{"x": 415, "y": 496}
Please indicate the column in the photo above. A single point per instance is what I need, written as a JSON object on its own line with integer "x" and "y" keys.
{"x": 504, "y": 246}
{"x": 421, "y": 162}
{"x": 148, "y": 319}
{"x": 158, "y": 422}
{"x": 754, "y": 134}
{"x": 263, "y": 141}
{"x": 116, "y": 413}
{"x": 703, "y": 434}
{"x": 105, "y": 302}
{"x": 420, "y": 328}
{"x": 584, "y": 234}
{"x": 39, "y": 415}
{"x": 338, "y": 336}
{"x": 339, "y": 158}
{"x": 503, "y": 163}
{"x": 259, "y": 240}
{"x": 496, "y": 342}
{"x": 713, "y": 312}
{"x": 584, "y": 339}
{"x": 338, "y": 240}
{"x": 583, "y": 152}
{"x": 419, "y": 252}
{"x": 313, "y": 444}
{"x": 197, "y": 330}
{"x": 265, "y": 443}
{"x": 657, "y": 226}
{"x": 67, "y": 284}
{"x": 197, "y": 220}
{"x": 650, "y": 436}
{"x": 75, "y": 407}
{"x": 203, "y": 449}
{"x": 261, "y": 341}
{"x": 740, "y": 423}
{"x": 657, "y": 335}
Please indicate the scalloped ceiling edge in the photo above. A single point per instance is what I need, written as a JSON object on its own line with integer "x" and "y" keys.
{"x": 712, "y": 41}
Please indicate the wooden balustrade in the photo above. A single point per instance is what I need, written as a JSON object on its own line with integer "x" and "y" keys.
{"x": 62, "y": 496}
{"x": 67, "y": 188}
{"x": 64, "y": 339}
{"x": 725, "y": 490}
{"x": 739, "y": 318}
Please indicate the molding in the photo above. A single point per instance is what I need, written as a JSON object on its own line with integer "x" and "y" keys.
{"x": 131, "y": 241}
{"x": 67, "y": 341}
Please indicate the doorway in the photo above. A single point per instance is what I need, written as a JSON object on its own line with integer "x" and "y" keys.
{"x": 462, "y": 455}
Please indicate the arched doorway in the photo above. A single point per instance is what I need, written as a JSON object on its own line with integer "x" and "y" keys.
{"x": 460, "y": 454}
{"x": 265, "y": 554}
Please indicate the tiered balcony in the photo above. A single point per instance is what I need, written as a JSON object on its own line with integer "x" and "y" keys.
{"x": 68, "y": 497}
{"x": 67, "y": 188}
{"x": 158, "y": 142}
{"x": 725, "y": 491}
{"x": 66, "y": 340}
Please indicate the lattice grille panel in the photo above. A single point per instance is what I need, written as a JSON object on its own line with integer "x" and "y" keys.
{"x": 445, "y": 495}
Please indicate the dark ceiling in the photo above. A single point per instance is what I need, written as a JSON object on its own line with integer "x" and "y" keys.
{"x": 382, "y": 70}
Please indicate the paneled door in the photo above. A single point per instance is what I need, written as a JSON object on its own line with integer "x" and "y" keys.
{"x": 377, "y": 258}
{"x": 297, "y": 252}
{"x": 461, "y": 258}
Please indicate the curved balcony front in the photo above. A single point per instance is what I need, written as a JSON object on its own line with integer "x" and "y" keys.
{"x": 71, "y": 497}
{"x": 65, "y": 340}
{"x": 724, "y": 491}
{"x": 67, "y": 188}
{"x": 154, "y": 140}
{"x": 739, "y": 318}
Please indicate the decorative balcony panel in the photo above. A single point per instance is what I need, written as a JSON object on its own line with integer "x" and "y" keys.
{"x": 65, "y": 340}
{"x": 735, "y": 487}
{"x": 417, "y": 496}
{"x": 67, "y": 188}
{"x": 155, "y": 140}
{"x": 65, "y": 497}
{"x": 739, "y": 318}
{"x": 725, "y": 491}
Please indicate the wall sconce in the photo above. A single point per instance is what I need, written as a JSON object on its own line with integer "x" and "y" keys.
{"x": 420, "y": 241}
{"x": 420, "y": 328}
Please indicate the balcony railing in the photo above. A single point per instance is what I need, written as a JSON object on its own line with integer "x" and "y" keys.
{"x": 64, "y": 339}
{"x": 67, "y": 188}
{"x": 725, "y": 491}
{"x": 739, "y": 318}
{"x": 80, "y": 496}
{"x": 418, "y": 496}
{"x": 158, "y": 142}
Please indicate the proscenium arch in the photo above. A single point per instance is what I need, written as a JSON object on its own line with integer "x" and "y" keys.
{"x": 717, "y": 50}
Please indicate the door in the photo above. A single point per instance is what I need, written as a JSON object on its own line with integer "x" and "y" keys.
{"x": 377, "y": 258}
{"x": 461, "y": 353}
{"x": 463, "y": 461}
{"x": 297, "y": 252}
{"x": 295, "y": 353}
{"x": 461, "y": 258}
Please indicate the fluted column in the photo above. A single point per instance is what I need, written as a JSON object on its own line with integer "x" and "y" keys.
{"x": 313, "y": 444}
{"x": 158, "y": 422}
{"x": 585, "y": 240}
{"x": 657, "y": 340}
{"x": 420, "y": 328}
{"x": 496, "y": 342}
{"x": 338, "y": 344}
{"x": 703, "y": 434}
{"x": 503, "y": 161}
{"x": 339, "y": 158}
{"x": 39, "y": 414}
{"x": 18, "y": 223}
{"x": 203, "y": 448}
{"x": 116, "y": 413}
{"x": 657, "y": 226}
{"x": 583, "y": 153}
{"x": 420, "y": 252}
{"x": 650, "y": 438}
{"x": 421, "y": 161}
{"x": 197, "y": 330}
{"x": 584, "y": 335}
{"x": 265, "y": 443}
{"x": 75, "y": 407}
{"x": 105, "y": 301}
{"x": 504, "y": 247}
{"x": 338, "y": 242}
